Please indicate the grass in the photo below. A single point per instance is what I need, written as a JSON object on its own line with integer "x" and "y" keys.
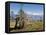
{"x": 12, "y": 24}
{"x": 34, "y": 26}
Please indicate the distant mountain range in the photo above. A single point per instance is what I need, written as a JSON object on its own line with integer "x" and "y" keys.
{"x": 34, "y": 17}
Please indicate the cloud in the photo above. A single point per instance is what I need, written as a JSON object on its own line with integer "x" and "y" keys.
{"x": 37, "y": 14}
{"x": 29, "y": 13}
{"x": 33, "y": 13}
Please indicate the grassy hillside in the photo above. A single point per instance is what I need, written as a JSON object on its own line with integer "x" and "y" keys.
{"x": 28, "y": 26}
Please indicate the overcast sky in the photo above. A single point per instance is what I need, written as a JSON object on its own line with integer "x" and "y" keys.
{"x": 30, "y": 9}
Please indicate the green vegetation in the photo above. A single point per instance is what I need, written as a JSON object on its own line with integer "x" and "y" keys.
{"x": 35, "y": 26}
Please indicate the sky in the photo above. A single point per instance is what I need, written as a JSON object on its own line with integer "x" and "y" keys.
{"x": 30, "y": 9}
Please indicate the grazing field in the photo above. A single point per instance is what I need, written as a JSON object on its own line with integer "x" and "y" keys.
{"x": 28, "y": 26}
